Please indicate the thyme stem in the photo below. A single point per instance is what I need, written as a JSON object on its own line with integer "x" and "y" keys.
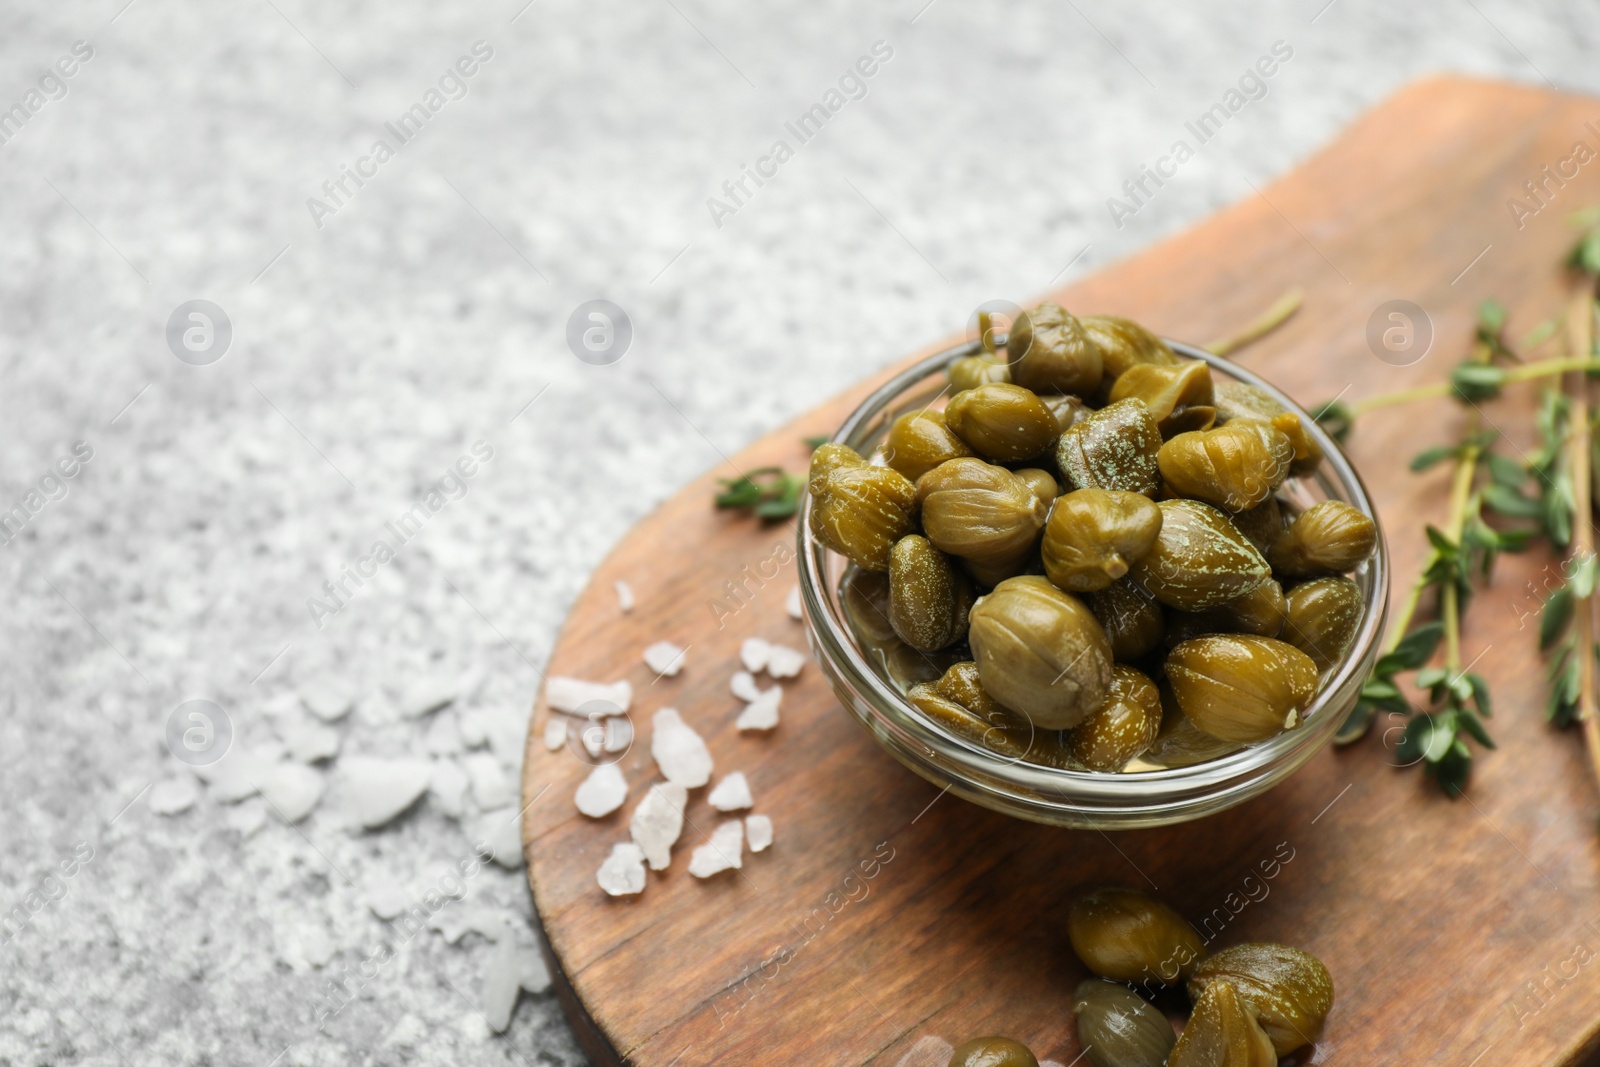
{"x": 1526, "y": 373}
{"x": 1581, "y": 334}
{"x": 1269, "y": 320}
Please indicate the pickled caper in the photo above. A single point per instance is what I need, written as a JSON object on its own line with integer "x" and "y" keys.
{"x": 1123, "y": 343}
{"x": 1326, "y": 538}
{"x": 1128, "y": 937}
{"x": 1093, "y": 536}
{"x": 969, "y": 372}
{"x": 827, "y": 458}
{"x": 860, "y": 512}
{"x": 919, "y": 441}
{"x": 962, "y": 684}
{"x": 1307, "y": 453}
{"x": 1119, "y": 1028}
{"x": 1261, "y": 525}
{"x": 1115, "y": 448}
{"x": 1133, "y": 621}
{"x": 1242, "y": 688}
{"x": 995, "y": 730}
{"x": 866, "y": 606}
{"x": 1236, "y": 466}
{"x": 1290, "y": 990}
{"x": 992, "y": 1052}
{"x": 1049, "y": 352}
{"x": 1222, "y": 1032}
{"x": 1261, "y": 612}
{"x": 928, "y": 597}
{"x": 1002, "y": 423}
{"x": 1181, "y": 743}
{"x": 1180, "y": 398}
{"x": 1200, "y": 559}
{"x": 980, "y": 512}
{"x": 1122, "y": 727}
{"x": 1067, "y": 409}
{"x": 1236, "y": 400}
{"x": 1323, "y": 616}
{"x": 1040, "y": 652}
{"x": 1042, "y": 482}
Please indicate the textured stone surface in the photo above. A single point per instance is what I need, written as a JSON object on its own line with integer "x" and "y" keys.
{"x": 429, "y": 313}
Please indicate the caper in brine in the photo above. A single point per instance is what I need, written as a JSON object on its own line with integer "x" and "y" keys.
{"x": 1261, "y": 524}
{"x": 1122, "y": 727}
{"x": 1236, "y": 400}
{"x": 962, "y": 684}
{"x": 980, "y": 512}
{"x": 1290, "y": 990}
{"x": 1200, "y": 559}
{"x": 1002, "y": 423}
{"x": 1119, "y": 1028}
{"x": 1128, "y": 937}
{"x": 992, "y": 1052}
{"x": 1132, "y": 620}
{"x": 928, "y": 597}
{"x": 1323, "y": 616}
{"x": 1261, "y": 612}
{"x": 827, "y": 458}
{"x": 1067, "y": 409}
{"x": 1124, "y": 343}
{"x": 1237, "y": 687}
{"x": 919, "y": 441}
{"x": 1222, "y": 1032}
{"x": 969, "y": 372}
{"x": 1326, "y": 538}
{"x": 1093, "y": 536}
{"x": 1114, "y": 448}
{"x": 1050, "y": 353}
{"x": 1235, "y": 467}
{"x": 860, "y": 512}
{"x": 994, "y": 728}
{"x": 1040, "y": 652}
{"x": 1181, "y": 743}
{"x": 1307, "y": 453}
{"x": 1042, "y": 482}
{"x": 1180, "y": 398}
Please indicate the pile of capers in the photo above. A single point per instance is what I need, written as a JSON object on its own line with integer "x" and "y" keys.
{"x": 1252, "y": 1003}
{"x": 1084, "y": 559}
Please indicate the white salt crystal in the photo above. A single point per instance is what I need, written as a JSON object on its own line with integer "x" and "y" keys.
{"x": 502, "y": 832}
{"x": 792, "y": 604}
{"x": 593, "y": 736}
{"x": 291, "y": 789}
{"x": 311, "y": 742}
{"x": 619, "y": 735}
{"x": 428, "y": 694}
{"x": 555, "y": 734}
{"x": 664, "y": 658}
{"x": 535, "y": 973}
{"x": 327, "y": 699}
{"x": 761, "y": 714}
{"x": 444, "y": 735}
{"x": 758, "y": 828}
{"x": 624, "y": 596}
{"x": 785, "y": 662}
{"x": 449, "y": 785}
{"x": 247, "y": 818}
{"x": 474, "y": 727}
{"x": 678, "y": 750}
{"x": 571, "y": 694}
{"x": 491, "y": 787}
{"x": 173, "y": 796}
{"x": 753, "y": 654}
{"x": 374, "y": 791}
{"x": 501, "y": 985}
{"x": 658, "y": 821}
{"x": 238, "y": 773}
{"x": 744, "y": 686}
{"x": 622, "y": 874}
{"x": 386, "y": 900}
{"x": 732, "y": 793}
{"x": 602, "y": 792}
{"x": 722, "y": 853}
{"x": 507, "y": 729}
{"x": 455, "y": 920}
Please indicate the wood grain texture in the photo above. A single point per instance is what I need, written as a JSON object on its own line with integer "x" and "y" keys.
{"x": 1453, "y": 929}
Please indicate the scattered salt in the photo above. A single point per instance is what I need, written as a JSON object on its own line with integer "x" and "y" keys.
{"x": 455, "y": 921}
{"x": 792, "y": 604}
{"x": 238, "y": 773}
{"x": 594, "y": 739}
{"x": 758, "y": 828}
{"x": 572, "y": 694}
{"x": 502, "y": 832}
{"x": 491, "y": 786}
{"x": 624, "y": 596}
{"x": 732, "y": 793}
{"x": 658, "y": 821}
{"x": 386, "y": 900}
{"x": 500, "y": 984}
{"x": 374, "y": 791}
{"x": 311, "y": 742}
{"x": 785, "y": 662}
{"x": 449, "y": 785}
{"x": 619, "y": 735}
{"x": 664, "y": 658}
{"x": 753, "y": 654}
{"x": 247, "y": 818}
{"x": 534, "y": 975}
{"x": 761, "y": 714}
{"x": 555, "y": 734}
{"x": 444, "y": 735}
{"x": 622, "y": 874}
{"x": 722, "y": 853}
{"x": 678, "y": 750}
{"x": 292, "y": 790}
{"x": 744, "y": 686}
{"x": 602, "y": 792}
{"x": 173, "y": 796}
{"x": 428, "y": 694}
{"x": 327, "y": 699}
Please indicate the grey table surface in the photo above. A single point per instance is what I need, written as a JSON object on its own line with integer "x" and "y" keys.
{"x": 382, "y": 330}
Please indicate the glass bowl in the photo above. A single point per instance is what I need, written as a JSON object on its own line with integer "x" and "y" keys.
{"x": 1080, "y": 799}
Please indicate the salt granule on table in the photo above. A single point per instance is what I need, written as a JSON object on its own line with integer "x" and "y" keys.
{"x": 664, "y": 658}
{"x": 723, "y": 852}
{"x": 173, "y": 796}
{"x": 428, "y": 694}
{"x": 622, "y": 874}
{"x": 678, "y": 750}
{"x": 753, "y": 654}
{"x": 743, "y": 684}
{"x": 732, "y": 793}
{"x": 618, "y": 735}
{"x": 375, "y": 791}
{"x": 792, "y": 605}
{"x": 328, "y": 700}
{"x": 785, "y": 662}
{"x": 292, "y": 789}
{"x": 602, "y": 792}
{"x": 762, "y": 713}
{"x": 571, "y": 694}
{"x": 624, "y": 596}
{"x": 758, "y": 828}
{"x": 658, "y": 821}
{"x": 555, "y": 734}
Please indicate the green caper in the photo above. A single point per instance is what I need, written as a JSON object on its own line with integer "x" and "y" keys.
{"x": 992, "y": 1052}
{"x": 1119, "y": 1028}
{"x": 1181, "y": 743}
{"x": 1307, "y": 453}
{"x": 1326, "y": 538}
{"x": 1040, "y": 652}
{"x": 1200, "y": 559}
{"x": 1114, "y": 448}
{"x": 1261, "y": 612}
{"x": 1042, "y": 482}
{"x": 969, "y": 372}
{"x": 1067, "y": 409}
{"x": 1323, "y": 616}
{"x": 866, "y": 606}
{"x": 1236, "y": 400}
{"x": 1180, "y": 398}
{"x": 1235, "y": 466}
{"x": 1238, "y": 687}
{"x": 860, "y": 512}
{"x": 1290, "y": 990}
{"x": 928, "y": 597}
{"x": 919, "y": 441}
{"x": 906, "y": 667}
{"x": 1128, "y": 937}
{"x": 1093, "y": 536}
{"x": 1122, "y": 727}
{"x": 1123, "y": 343}
{"x": 829, "y": 457}
{"x": 962, "y": 684}
{"x": 1003, "y": 423}
{"x": 994, "y": 729}
{"x": 983, "y": 513}
{"x": 1133, "y": 621}
{"x": 1222, "y": 1032}
{"x": 1262, "y": 524}
{"x": 1050, "y": 353}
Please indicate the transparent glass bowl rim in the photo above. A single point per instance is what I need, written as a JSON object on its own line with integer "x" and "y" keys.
{"x": 1021, "y": 785}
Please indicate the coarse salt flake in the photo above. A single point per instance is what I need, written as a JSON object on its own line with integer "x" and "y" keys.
{"x": 758, "y": 828}
{"x": 724, "y": 852}
{"x": 762, "y": 713}
{"x": 792, "y": 605}
{"x": 664, "y": 658}
{"x": 785, "y": 662}
{"x": 744, "y": 686}
{"x": 576, "y": 696}
{"x": 624, "y": 596}
{"x": 753, "y": 654}
{"x": 622, "y": 874}
{"x": 678, "y": 750}
{"x": 732, "y": 793}
{"x": 658, "y": 822}
{"x": 602, "y": 792}
{"x": 555, "y": 734}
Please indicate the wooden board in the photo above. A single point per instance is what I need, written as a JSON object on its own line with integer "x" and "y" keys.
{"x": 885, "y": 915}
